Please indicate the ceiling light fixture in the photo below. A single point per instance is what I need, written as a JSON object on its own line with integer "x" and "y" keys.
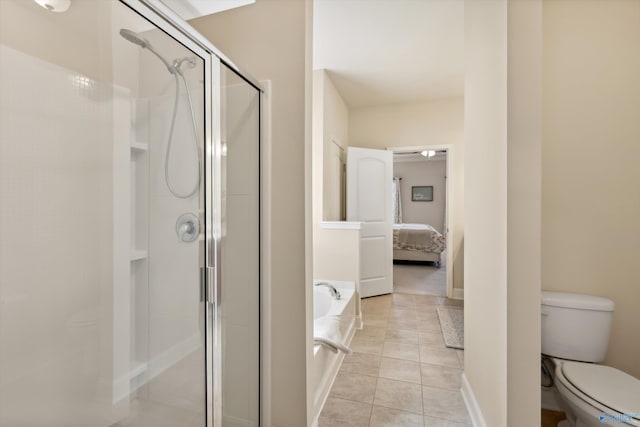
{"x": 55, "y": 5}
{"x": 428, "y": 153}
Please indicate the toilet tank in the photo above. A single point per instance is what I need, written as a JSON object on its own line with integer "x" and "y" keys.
{"x": 576, "y": 326}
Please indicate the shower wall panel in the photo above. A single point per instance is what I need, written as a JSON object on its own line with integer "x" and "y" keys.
{"x": 104, "y": 318}
{"x": 101, "y": 321}
{"x": 56, "y": 247}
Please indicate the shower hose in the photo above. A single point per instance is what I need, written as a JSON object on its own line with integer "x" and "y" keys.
{"x": 170, "y": 139}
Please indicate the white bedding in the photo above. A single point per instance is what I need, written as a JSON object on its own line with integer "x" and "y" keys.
{"x": 417, "y": 237}
{"x": 413, "y": 227}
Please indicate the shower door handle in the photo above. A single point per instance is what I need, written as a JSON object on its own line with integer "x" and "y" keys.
{"x": 207, "y": 284}
{"x": 211, "y": 273}
{"x": 210, "y": 285}
{"x": 203, "y": 281}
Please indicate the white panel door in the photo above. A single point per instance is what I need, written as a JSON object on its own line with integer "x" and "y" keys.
{"x": 369, "y": 177}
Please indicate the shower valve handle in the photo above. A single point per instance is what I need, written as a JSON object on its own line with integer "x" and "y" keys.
{"x": 187, "y": 227}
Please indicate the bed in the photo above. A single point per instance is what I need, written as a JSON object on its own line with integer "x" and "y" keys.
{"x": 417, "y": 242}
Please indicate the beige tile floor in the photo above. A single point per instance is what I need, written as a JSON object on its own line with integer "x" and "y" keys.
{"x": 401, "y": 373}
{"x": 420, "y": 277}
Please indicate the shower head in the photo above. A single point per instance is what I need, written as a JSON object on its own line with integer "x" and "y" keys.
{"x": 137, "y": 39}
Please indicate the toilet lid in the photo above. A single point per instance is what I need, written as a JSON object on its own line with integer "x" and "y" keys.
{"x": 609, "y": 386}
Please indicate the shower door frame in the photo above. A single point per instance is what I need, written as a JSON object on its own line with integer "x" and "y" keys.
{"x": 210, "y": 278}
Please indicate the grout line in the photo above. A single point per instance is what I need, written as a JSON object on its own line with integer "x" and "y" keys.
{"x": 371, "y": 409}
{"x": 375, "y": 388}
{"x": 424, "y": 410}
{"x": 389, "y": 325}
{"x": 403, "y": 410}
{"x": 347, "y": 399}
{"x": 441, "y": 388}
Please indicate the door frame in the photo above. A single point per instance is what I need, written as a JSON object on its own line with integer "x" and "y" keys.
{"x": 449, "y": 148}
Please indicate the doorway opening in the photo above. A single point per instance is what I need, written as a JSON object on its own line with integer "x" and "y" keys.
{"x": 425, "y": 194}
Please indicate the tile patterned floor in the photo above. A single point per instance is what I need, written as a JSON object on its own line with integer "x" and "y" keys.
{"x": 420, "y": 277}
{"x": 400, "y": 374}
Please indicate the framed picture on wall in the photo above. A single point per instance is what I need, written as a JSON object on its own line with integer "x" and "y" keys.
{"x": 422, "y": 193}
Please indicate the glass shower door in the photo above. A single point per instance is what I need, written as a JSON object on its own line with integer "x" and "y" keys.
{"x": 102, "y": 129}
{"x": 239, "y": 290}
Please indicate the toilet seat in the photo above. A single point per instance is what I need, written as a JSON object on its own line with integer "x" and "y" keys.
{"x": 605, "y": 388}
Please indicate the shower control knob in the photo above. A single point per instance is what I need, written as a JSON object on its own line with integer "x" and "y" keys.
{"x": 187, "y": 227}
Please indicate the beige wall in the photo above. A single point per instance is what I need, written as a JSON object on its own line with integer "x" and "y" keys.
{"x": 334, "y": 125}
{"x": 485, "y": 170}
{"x": 268, "y": 39}
{"x": 330, "y": 123}
{"x": 82, "y": 39}
{"x": 418, "y": 173}
{"x": 317, "y": 148}
{"x": 502, "y": 199}
{"x": 336, "y": 255}
{"x": 591, "y": 202}
{"x": 84, "y": 27}
{"x": 434, "y": 122}
{"x": 524, "y": 135}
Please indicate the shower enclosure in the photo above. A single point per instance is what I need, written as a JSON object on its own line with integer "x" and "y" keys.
{"x": 129, "y": 221}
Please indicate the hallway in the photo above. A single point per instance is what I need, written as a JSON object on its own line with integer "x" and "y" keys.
{"x": 400, "y": 373}
{"x": 423, "y": 278}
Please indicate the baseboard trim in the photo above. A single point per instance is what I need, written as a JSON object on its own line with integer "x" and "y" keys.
{"x": 458, "y": 293}
{"x": 477, "y": 420}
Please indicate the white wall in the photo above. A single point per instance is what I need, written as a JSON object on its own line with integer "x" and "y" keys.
{"x": 66, "y": 110}
{"x": 173, "y": 266}
{"x": 419, "y": 173}
{"x": 52, "y": 279}
{"x": 434, "y": 122}
{"x": 590, "y": 234}
{"x": 268, "y": 39}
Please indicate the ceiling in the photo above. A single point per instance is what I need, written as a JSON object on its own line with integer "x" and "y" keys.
{"x": 417, "y": 157}
{"x": 390, "y": 51}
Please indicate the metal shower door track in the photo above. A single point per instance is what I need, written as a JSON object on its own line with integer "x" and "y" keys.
{"x": 187, "y": 30}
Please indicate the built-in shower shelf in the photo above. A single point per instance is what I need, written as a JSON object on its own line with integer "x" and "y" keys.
{"x": 137, "y": 255}
{"x": 139, "y": 146}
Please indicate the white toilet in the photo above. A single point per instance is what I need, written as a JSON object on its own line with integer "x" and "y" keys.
{"x": 575, "y": 334}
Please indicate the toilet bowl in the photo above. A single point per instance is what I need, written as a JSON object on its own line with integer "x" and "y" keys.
{"x": 575, "y": 334}
{"x": 597, "y": 395}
